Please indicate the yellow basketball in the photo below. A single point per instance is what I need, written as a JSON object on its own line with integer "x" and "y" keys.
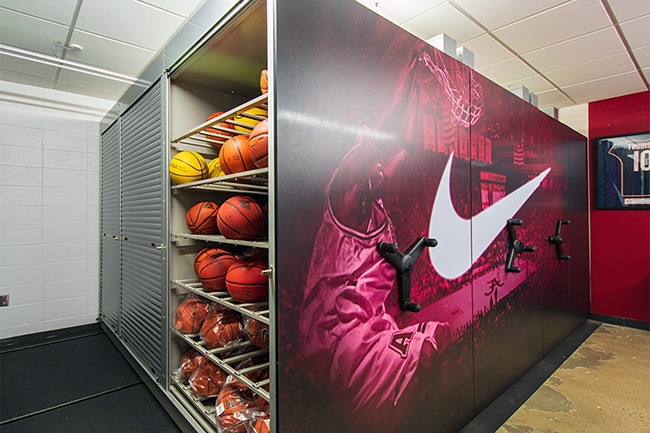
{"x": 214, "y": 168}
{"x": 247, "y": 122}
{"x": 188, "y": 166}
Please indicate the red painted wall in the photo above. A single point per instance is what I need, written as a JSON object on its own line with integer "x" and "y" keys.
{"x": 620, "y": 240}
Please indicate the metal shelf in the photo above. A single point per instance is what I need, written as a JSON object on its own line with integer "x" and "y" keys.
{"x": 220, "y": 239}
{"x": 249, "y": 182}
{"x": 225, "y": 363}
{"x": 199, "y": 137}
{"x": 256, "y": 310}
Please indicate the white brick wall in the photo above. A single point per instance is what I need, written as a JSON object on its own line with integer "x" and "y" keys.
{"x": 49, "y": 208}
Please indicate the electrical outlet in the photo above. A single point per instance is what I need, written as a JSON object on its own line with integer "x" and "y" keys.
{"x": 4, "y": 300}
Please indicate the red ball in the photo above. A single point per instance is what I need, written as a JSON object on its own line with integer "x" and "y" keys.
{"x": 190, "y": 361}
{"x": 256, "y": 332}
{"x": 245, "y": 281}
{"x": 258, "y": 144}
{"x": 213, "y": 269}
{"x": 207, "y": 380}
{"x": 205, "y": 252}
{"x": 234, "y": 156}
{"x": 190, "y": 315}
{"x": 221, "y": 328}
{"x": 262, "y": 425}
{"x": 240, "y": 217}
{"x": 201, "y": 218}
{"x": 264, "y": 81}
{"x": 231, "y": 406}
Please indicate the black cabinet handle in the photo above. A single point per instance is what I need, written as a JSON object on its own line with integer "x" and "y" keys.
{"x": 403, "y": 263}
{"x": 516, "y": 246}
{"x": 557, "y": 240}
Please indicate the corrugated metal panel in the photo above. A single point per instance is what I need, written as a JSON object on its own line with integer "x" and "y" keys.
{"x": 143, "y": 320}
{"x": 109, "y": 292}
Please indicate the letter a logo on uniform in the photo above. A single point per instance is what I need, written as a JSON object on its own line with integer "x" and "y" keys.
{"x": 400, "y": 342}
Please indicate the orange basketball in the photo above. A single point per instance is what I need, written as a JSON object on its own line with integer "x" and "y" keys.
{"x": 263, "y": 424}
{"x": 190, "y": 315}
{"x": 234, "y": 156}
{"x": 264, "y": 81}
{"x": 231, "y": 407}
{"x": 217, "y": 129}
{"x": 221, "y": 328}
{"x": 258, "y": 144}
{"x": 205, "y": 252}
{"x": 256, "y": 332}
{"x": 240, "y": 217}
{"x": 245, "y": 281}
{"x": 201, "y": 218}
{"x": 190, "y": 361}
{"x": 213, "y": 269}
{"x": 207, "y": 380}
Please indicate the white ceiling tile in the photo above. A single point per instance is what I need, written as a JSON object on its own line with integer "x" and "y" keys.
{"x": 61, "y": 12}
{"x": 22, "y": 78}
{"x": 628, "y": 9}
{"x": 128, "y": 21}
{"x": 534, "y": 84}
{"x": 507, "y": 71}
{"x": 570, "y": 20}
{"x": 605, "y": 88}
{"x": 498, "y": 13}
{"x": 40, "y": 73}
{"x": 29, "y": 33}
{"x": 637, "y": 32}
{"x": 183, "y": 8}
{"x": 642, "y": 56}
{"x": 76, "y": 82}
{"x": 575, "y": 51}
{"x": 486, "y": 51}
{"x": 646, "y": 73}
{"x": 593, "y": 70}
{"x": 109, "y": 54}
{"x": 443, "y": 19}
{"x": 399, "y": 12}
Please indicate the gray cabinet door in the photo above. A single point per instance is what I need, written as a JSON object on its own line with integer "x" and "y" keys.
{"x": 143, "y": 233}
{"x": 109, "y": 293}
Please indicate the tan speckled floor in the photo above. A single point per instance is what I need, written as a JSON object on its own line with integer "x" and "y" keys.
{"x": 604, "y": 386}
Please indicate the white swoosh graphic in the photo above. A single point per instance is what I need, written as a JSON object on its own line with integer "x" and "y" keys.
{"x": 457, "y": 249}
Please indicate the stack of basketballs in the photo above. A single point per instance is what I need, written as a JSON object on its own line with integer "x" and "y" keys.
{"x": 237, "y": 407}
{"x": 245, "y": 147}
{"x": 239, "y": 217}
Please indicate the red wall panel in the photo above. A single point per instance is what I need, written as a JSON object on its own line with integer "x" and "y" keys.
{"x": 620, "y": 240}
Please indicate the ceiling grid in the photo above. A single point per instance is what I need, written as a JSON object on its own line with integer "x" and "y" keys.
{"x": 567, "y": 52}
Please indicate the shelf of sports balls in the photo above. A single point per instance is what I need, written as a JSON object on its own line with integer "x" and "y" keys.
{"x": 221, "y": 314}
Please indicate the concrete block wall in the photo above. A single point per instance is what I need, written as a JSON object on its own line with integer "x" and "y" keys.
{"x": 49, "y": 208}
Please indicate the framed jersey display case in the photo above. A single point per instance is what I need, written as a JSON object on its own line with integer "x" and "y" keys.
{"x": 622, "y": 176}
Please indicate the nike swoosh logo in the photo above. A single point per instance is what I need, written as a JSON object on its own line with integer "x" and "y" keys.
{"x": 457, "y": 249}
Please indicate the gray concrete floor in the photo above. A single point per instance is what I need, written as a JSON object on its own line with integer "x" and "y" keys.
{"x": 604, "y": 386}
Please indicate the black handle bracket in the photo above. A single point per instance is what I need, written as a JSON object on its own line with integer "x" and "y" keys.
{"x": 557, "y": 240}
{"x": 403, "y": 264}
{"x": 516, "y": 246}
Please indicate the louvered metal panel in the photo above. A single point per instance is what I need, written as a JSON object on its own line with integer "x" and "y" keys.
{"x": 109, "y": 293}
{"x": 143, "y": 320}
